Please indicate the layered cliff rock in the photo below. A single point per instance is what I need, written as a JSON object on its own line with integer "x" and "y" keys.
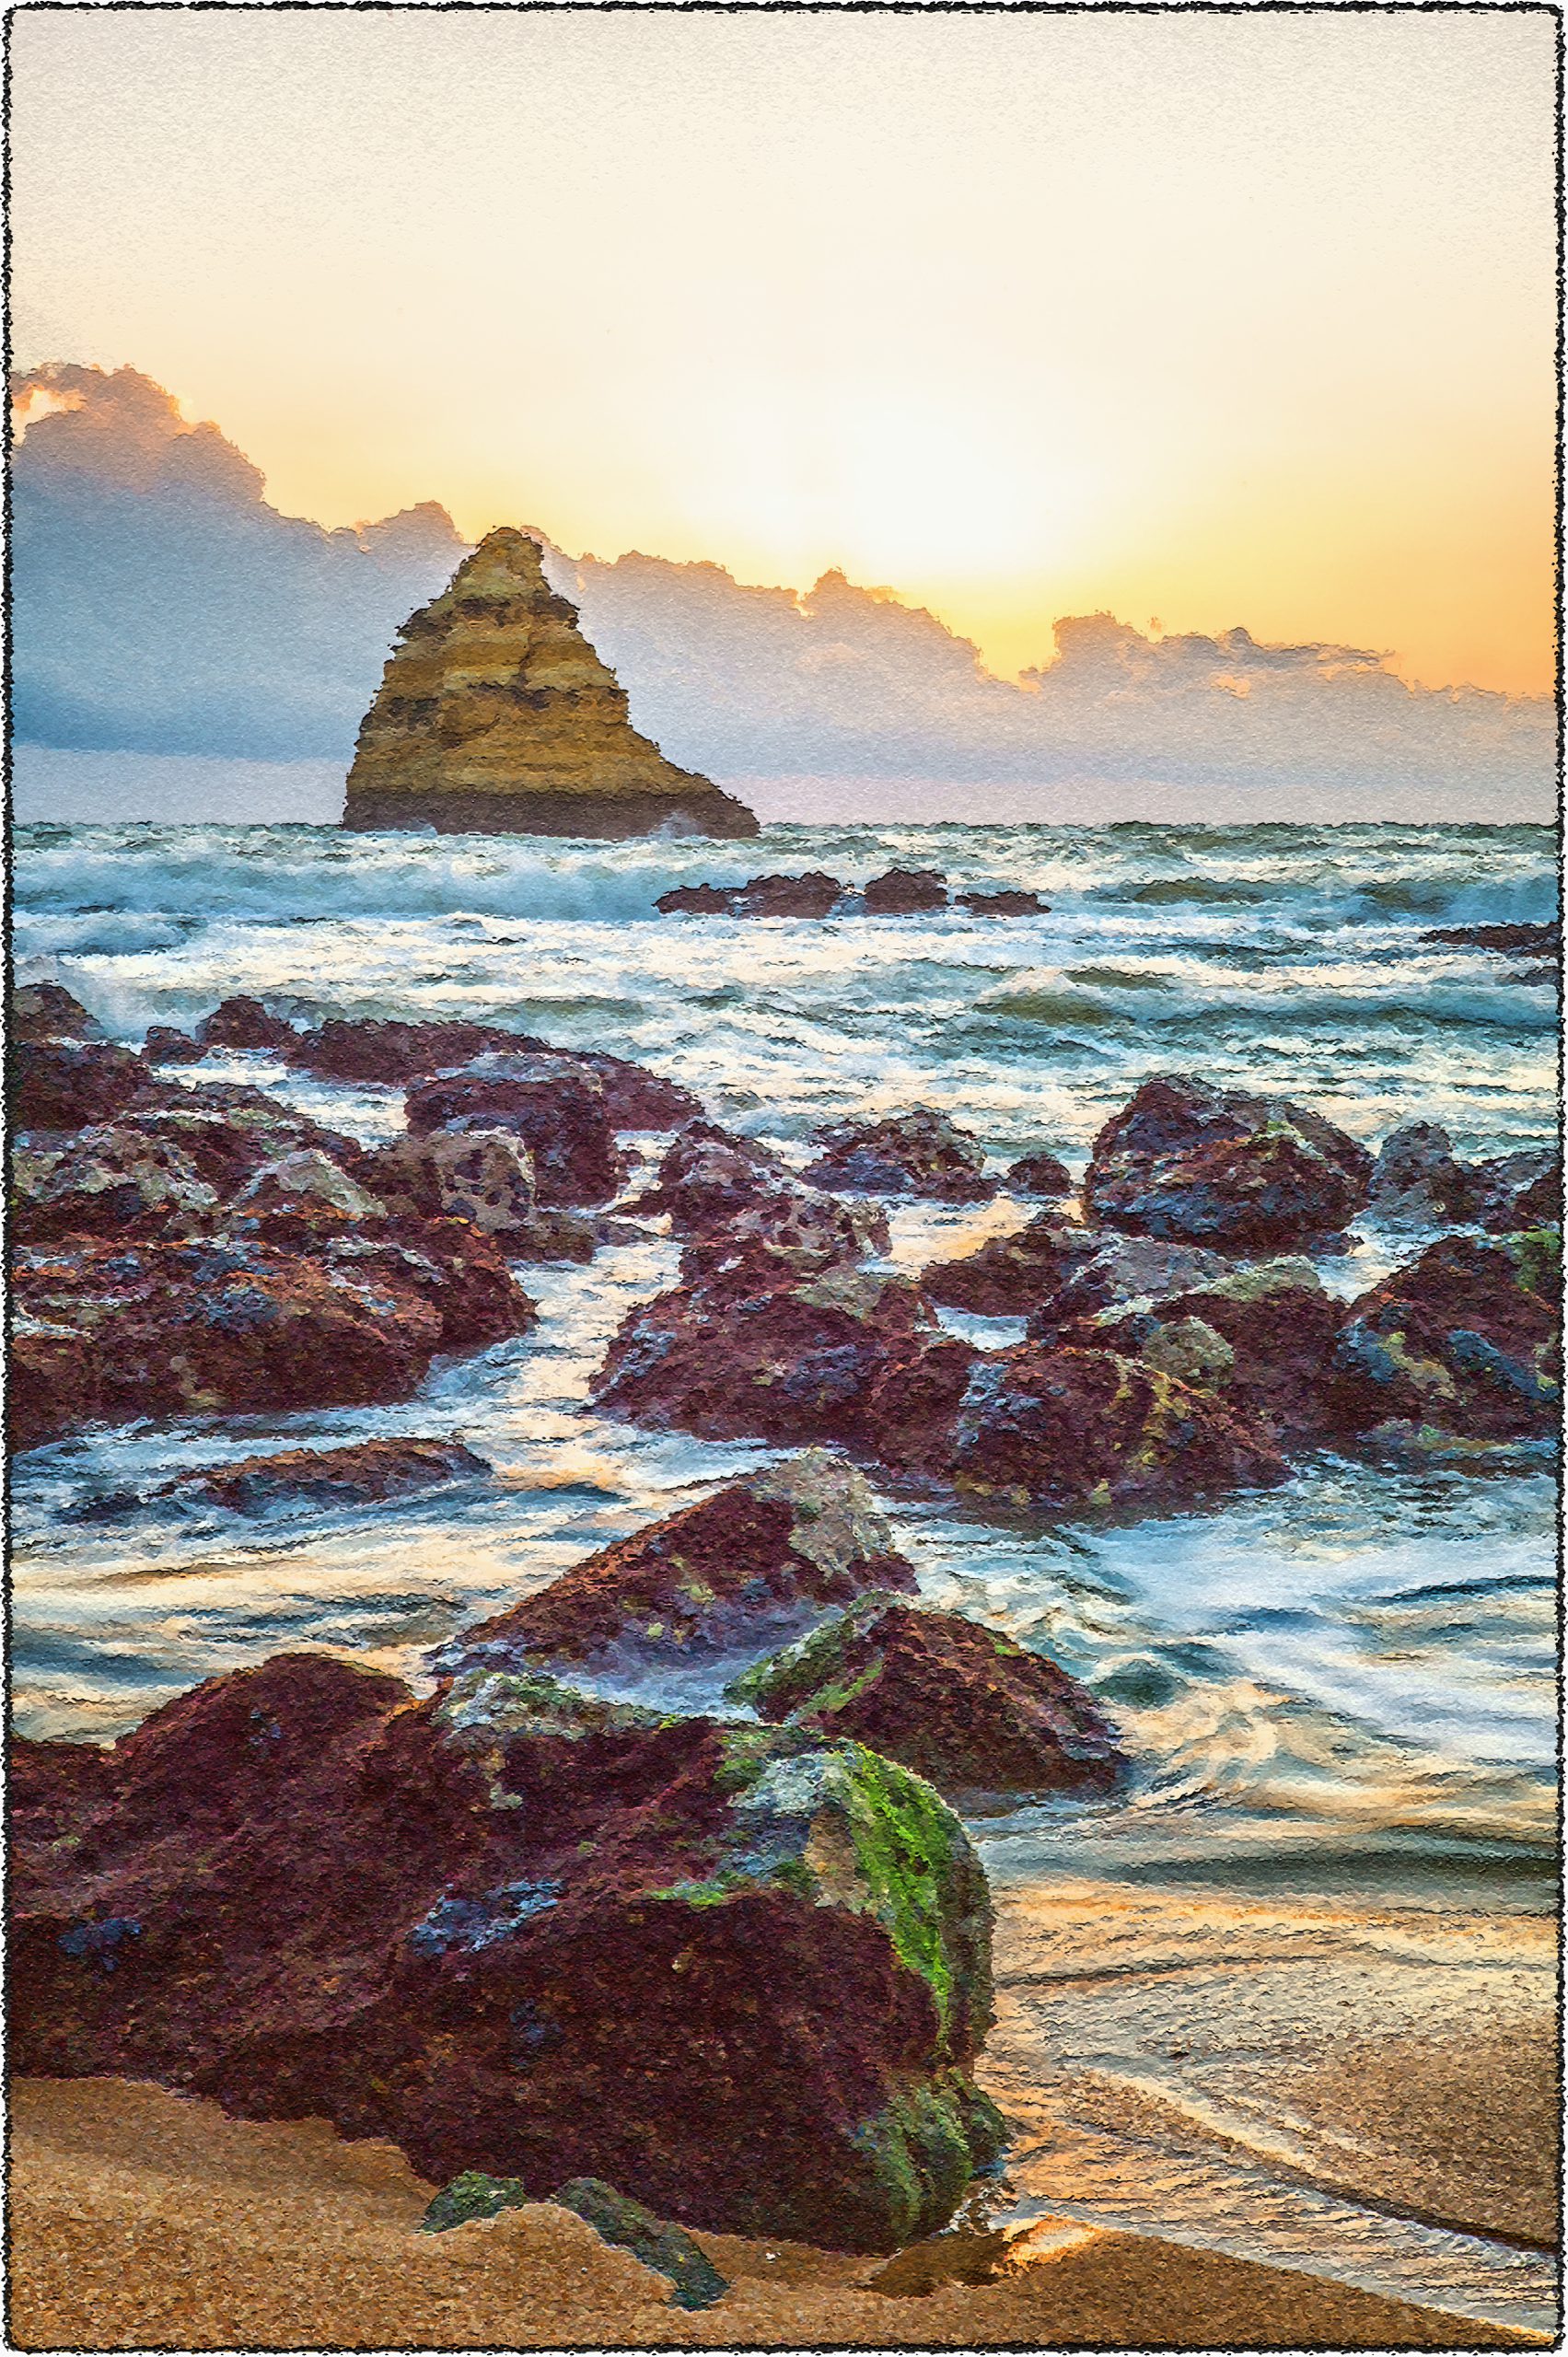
{"x": 496, "y": 716}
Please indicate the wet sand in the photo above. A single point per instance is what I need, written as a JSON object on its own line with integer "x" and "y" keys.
{"x": 142, "y": 2219}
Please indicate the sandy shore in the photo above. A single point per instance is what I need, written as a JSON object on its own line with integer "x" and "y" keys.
{"x": 141, "y": 2219}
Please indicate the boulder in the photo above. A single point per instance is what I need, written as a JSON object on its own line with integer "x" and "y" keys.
{"x": 1416, "y": 1177}
{"x": 113, "y": 1178}
{"x": 244, "y": 1023}
{"x": 744, "y": 1356}
{"x": 764, "y": 1553}
{"x": 496, "y": 716}
{"x": 485, "y": 1177}
{"x": 740, "y": 1974}
{"x": 365, "y": 1048}
{"x": 1513, "y": 1192}
{"x": 918, "y": 1153}
{"x": 905, "y": 892}
{"x": 1266, "y": 1337}
{"x": 1008, "y": 902}
{"x": 165, "y": 1046}
{"x": 1063, "y": 1426}
{"x": 363, "y": 1474}
{"x": 1038, "y": 1174}
{"x": 912, "y": 1399}
{"x": 1220, "y": 1167}
{"x": 557, "y": 1108}
{"x": 230, "y": 1132}
{"x": 962, "y": 1705}
{"x": 1009, "y": 1276}
{"x": 731, "y": 1198}
{"x": 68, "y": 1085}
{"x": 302, "y": 1196}
{"x": 635, "y": 1099}
{"x": 48, "y": 1011}
{"x": 698, "y": 901}
{"x": 107, "y": 1331}
{"x": 1109, "y": 1278}
{"x": 810, "y": 895}
{"x": 1466, "y": 1340}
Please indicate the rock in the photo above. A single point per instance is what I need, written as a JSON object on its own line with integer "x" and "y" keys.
{"x": 1006, "y": 903}
{"x": 472, "y": 2195}
{"x": 565, "y": 1238}
{"x": 112, "y": 1179}
{"x": 810, "y": 895}
{"x": 496, "y": 716}
{"x": 364, "y": 1473}
{"x": 1109, "y": 1278}
{"x": 555, "y": 1105}
{"x": 1220, "y": 1167}
{"x": 1508, "y": 940}
{"x": 47, "y": 1011}
{"x": 1416, "y": 1176}
{"x": 485, "y": 1177}
{"x": 734, "y": 1196}
{"x": 301, "y": 1196}
{"x": 232, "y": 1131}
{"x": 105, "y": 1332}
{"x": 765, "y": 1552}
{"x": 1062, "y": 1427}
{"x": 1038, "y": 1174}
{"x": 963, "y": 1706}
{"x": 742, "y": 1975}
{"x": 1282, "y": 1330}
{"x": 244, "y": 1023}
{"x": 742, "y": 1355}
{"x": 627, "y": 2225}
{"x": 1009, "y": 1276}
{"x": 1513, "y": 1191}
{"x": 905, "y": 892}
{"x": 63, "y": 1085}
{"x": 698, "y": 901}
{"x": 912, "y": 1399}
{"x": 393, "y": 1053}
{"x": 918, "y": 1153}
{"x": 635, "y": 1099}
{"x": 164, "y": 1046}
{"x": 1465, "y": 1339}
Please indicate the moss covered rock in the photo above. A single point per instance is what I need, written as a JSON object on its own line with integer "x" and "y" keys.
{"x": 528, "y": 1937}
{"x": 962, "y": 1704}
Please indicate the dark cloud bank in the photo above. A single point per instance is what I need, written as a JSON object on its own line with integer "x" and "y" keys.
{"x": 181, "y": 648}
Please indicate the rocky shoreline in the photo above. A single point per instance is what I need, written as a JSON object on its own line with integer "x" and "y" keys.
{"x": 738, "y": 1967}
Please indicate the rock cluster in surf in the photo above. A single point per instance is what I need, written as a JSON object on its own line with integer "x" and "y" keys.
{"x": 496, "y": 716}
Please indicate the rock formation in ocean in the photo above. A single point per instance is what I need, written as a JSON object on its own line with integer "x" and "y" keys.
{"x": 495, "y": 716}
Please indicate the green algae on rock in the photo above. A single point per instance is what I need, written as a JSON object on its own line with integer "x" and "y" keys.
{"x": 669, "y": 2250}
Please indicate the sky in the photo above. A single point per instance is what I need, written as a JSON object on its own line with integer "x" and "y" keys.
{"x": 1199, "y": 319}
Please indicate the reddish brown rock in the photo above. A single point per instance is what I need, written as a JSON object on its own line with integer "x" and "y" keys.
{"x": 556, "y": 1107}
{"x": 912, "y": 1401}
{"x": 635, "y": 1099}
{"x": 48, "y": 1011}
{"x": 113, "y": 1178}
{"x": 963, "y": 1706}
{"x": 733, "y": 1199}
{"x": 697, "y": 901}
{"x": 811, "y": 895}
{"x": 1514, "y": 1192}
{"x": 244, "y": 1023}
{"x": 1188, "y": 1161}
{"x": 918, "y": 1153}
{"x": 743, "y": 1355}
{"x": 1038, "y": 1174}
{"x": 1108, "y": 1277}
{"x": 393, "y": 1053}
{"x": 104, "y": 1333}
{"x": 1062, "y": 1427}
{"x": 164, "y": 1046}
{"x": 905, "y": 892}
{"x": 1282, "y": 1333}
{"x": 365, "y": 1473}
{"x": 764, "y": 1553}
{"x": 1466, "y": 1339}
{"x": 1009, "y": 1276}
{"x": 67, "y": 1085}
{"x": 230, "y": 1132}
{"x": 1005, "y": 903}
{"x": 741, "y": 1975}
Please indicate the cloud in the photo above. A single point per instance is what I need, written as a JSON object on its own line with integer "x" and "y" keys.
{"x": 161, "y": 605}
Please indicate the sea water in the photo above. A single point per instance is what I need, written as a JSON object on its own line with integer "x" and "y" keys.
{"x": 1344, "y": 1683}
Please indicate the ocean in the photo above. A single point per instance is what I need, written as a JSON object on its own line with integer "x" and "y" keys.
{"x": 1341, "y": 1687}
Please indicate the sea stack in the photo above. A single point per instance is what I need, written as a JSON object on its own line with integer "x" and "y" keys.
{"x": 495, "y": 716}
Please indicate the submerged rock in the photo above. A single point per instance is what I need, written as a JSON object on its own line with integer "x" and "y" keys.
{"x": 742, "y": 1975}
{"x": 1508, "y": 940}
{"x": 963, "y": 1706}
{"x": 1213, "y": 1166}
{"x": 812, "y": 894}
{"x": 496, "y": 716}
{"x": 761, "y": 1555}
{"x": 905, "y": 892}
{"x": 363, "y": 1474}
{"x": 1008, "y": 902}
{"x": 918, "y": 1153}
